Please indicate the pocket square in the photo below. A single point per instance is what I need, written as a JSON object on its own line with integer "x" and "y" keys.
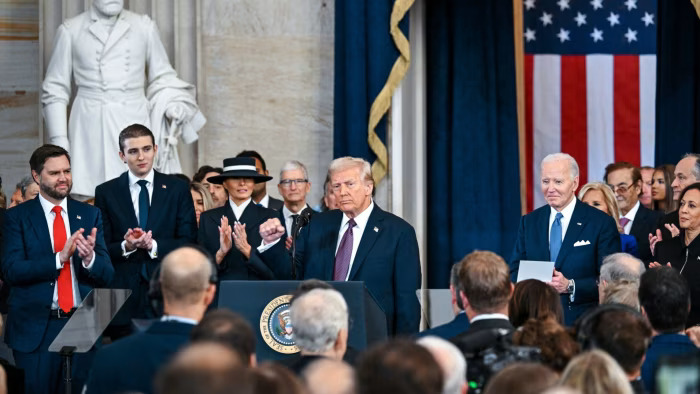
{"x": 582, "y": 243}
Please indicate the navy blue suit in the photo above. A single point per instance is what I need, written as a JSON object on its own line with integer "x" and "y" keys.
{"x": 171, "y": 220}
{"x": 449, "y": 330}
{"x": 387, "y": 261}
{"x": 663, "y": 345}
{"x": 29, "y": 265}
{"x": 130, "y": 364}
{"x": 580, "y": 263}
{"x": 645, "y": 222}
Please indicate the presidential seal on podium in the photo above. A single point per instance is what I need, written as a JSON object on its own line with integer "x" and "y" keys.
{"x": 276, "y": 325}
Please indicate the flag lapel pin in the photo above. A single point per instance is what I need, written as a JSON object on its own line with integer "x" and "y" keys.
{"x": 578, "y": 224}
{"x": 376, "y": 229}
{"x": 77, "y": 216}
{"x": 165, "y": 187}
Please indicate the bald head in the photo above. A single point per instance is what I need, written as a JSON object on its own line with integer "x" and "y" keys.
{"x": 184, "y": 276}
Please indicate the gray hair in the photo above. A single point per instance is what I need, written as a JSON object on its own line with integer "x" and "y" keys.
{"x": 317, "y": 317}
{"x": 621, "y": 267}
{"x": 696, "y": 167}
{"x": 573, "y": 165}
{"x": 451, "y": 361}
{"x": 623, "y": 292}
{"x": 292, "y": 165}
{"x": 344, "y": 163}
{"x": 24, "y": 184}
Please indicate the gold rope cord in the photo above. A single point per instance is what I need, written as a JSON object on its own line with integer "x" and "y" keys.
{"x": 380, "y": 105}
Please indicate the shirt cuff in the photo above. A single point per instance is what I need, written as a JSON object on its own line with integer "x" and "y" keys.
{"x": 264, "y": 247}
{"x": 573, "y": 292}
{"x": 154, "y": 250}
{"x": 91, "y": 263}
{"x": 124, "y": 252}
{"x": 59, "y": 263}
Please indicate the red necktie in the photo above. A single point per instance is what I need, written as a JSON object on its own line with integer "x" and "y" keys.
{"x": 65, "y": 282}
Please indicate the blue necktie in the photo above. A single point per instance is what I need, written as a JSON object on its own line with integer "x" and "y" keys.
{"x": 555, "y": 238}
{"x": 143, "y": 204}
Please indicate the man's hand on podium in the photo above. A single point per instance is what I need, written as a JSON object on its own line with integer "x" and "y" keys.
{"x": 271, "y": 230}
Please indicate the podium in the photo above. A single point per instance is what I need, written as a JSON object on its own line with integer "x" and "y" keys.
{"x": 265, "y": 305}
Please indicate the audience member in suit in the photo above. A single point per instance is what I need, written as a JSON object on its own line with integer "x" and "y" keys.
{"x": 635, "y": 219}
{"x": 486, "y": 290}
{"x": 260, "y": 195}
{"x": 665, "y": 300}
{"x": 54, "y": 254}
{"x": 131, "y": 364}
{"x": 460, "y": 323}
{"x": 451, "y": 361}
{"x": 661, "y": 190}
{"x": 327, "y": 376}
{"x": 219, "y": 195}
{"x": 647, "y": 179}
{"x": 359, "y": 242}
{"x": 230, "y": 233}
{"x": 621, "y": 332}
{"x": 294, "y": 185}
{"x": 320, "y": 319}
{"x": 533, "y": 299}
{"x": 600, "y": 196}
{"x": 230, "y": 329}
{"x": 568, "y": 232}
{"x": 147, "y": 214}
{"x": 619, "y": 268}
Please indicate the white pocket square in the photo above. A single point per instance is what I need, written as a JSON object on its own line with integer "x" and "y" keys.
{"x": 582, "y": 243}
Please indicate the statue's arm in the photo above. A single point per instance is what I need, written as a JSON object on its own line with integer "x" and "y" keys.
{"x": 56, "y": 89}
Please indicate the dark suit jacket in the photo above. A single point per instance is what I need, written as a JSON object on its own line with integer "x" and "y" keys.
{"x": 280, "y": 216}
{"x": 171, "y": 219}
{"x": 457, "y": 326}
{"x": 387, "y": 260}
{"x": 4, "y": 286}
{"x": 235, "y": 266}
{"x": 275, "y": 204}
{"x": 581, "y": 263}
{"x": 481, "y": 335}
{"x": 645, "y": 222}
{"x": 687, "y": 259}
{"x": 663, "y": 345}
{"x": 131, "y": 363}
{"x": 29, "y": 265}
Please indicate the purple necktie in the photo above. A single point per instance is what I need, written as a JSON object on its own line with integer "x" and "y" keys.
{"x": 342, "y": 257}
{"x": 623, "y": 222}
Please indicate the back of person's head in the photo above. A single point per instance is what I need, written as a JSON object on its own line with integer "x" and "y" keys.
{"x": 398, "y": 366}
{"x": 624, "y": 293}
{"x": 327, "y": 376}
{"x": 485, "y": 278}
{"x": 320, "y": 319}
{"x": 595, "y": 372}
{"x": 271, "y": 378}
{"x": 228, "y": 328}
{"x": 452, "y": 362}
{"x": 456, "y": 285}
{"x": 308, "y": 285}
{"x": 621, "y": 267}
{"x": 204, "y": 368}
{"x": 665, "y": 299}
{"x": 534, "y": 299}
{"x": 618, "y": 330}
{"x": 185, "y": 276}
{"x": 522, "y": 378}
{"x": 557, "y": 346}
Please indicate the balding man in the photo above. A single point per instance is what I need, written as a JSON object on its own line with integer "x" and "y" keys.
{"x": 130, "y": 364}
{"x": 451, "y": 361}
{"x": 618, "y": 268}
{"x": 575, "y": 236}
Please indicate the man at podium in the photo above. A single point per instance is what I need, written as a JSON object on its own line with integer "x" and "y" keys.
{"x": 358, "y": 242}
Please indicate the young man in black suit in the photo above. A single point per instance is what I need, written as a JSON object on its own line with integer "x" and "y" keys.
{"x": 147, "y": 214}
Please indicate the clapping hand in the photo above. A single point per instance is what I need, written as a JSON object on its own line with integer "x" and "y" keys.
{"x": 240, "y": 239}
{"x": 225, "y": 240}
{"x": 86, "y": 247}
{"x": 138, "y": 239}
{"x": 70, "y": 246}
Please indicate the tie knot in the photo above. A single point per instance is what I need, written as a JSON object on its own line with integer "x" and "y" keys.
{"x": 56, "y": 209}
{"x": 559, "y": 216}
{"x": 142, "y": 182}
{"x": 624, "y": 221}
{"x": 351, "y": 223}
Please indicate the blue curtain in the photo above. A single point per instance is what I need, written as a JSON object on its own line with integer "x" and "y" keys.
{"x": 364, "y": 55}
{"x": 677, "y": 81}
{"x": 473, "y": 175}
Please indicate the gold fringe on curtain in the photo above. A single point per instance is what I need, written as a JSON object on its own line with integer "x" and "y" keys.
{"x": 696, "y": 3}
{"x": 381, "y": 104}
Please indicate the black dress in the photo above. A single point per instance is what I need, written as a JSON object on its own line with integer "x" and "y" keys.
{"x": 687, "y": 261}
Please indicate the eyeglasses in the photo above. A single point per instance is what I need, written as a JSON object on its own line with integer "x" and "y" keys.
{"x": 621, "y": 187}
{"x": 286, "y": 183}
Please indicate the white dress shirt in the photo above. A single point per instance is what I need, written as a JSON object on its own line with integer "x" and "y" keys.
{"x": 238, "y": 209}
{"x": 135, "y": 191}
{"x": 265, "y": 201}
{"x": 630, "y": 215}
{"x": 179, "y": 319}
{"x": 487, "y": 316}
{"x": 567, "y": 211}
{"x": 357, "y": 231}
{"x": 288, "y": 221}
{"x": 47, "y": 207}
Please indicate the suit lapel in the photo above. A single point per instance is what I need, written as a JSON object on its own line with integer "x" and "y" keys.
{"x": 329, "y": 253}
{"x": 76, "y": 219}
{"x": 120, "y": 28}
{"x": 98, "y": 30}
{"x": 576, "y": 225}
{"x": 543, "y": 227}
{"x": 124, "y": 200}
{"x": 158, "y": 198}
{"x": 38, "y": 220}
{"x": 369, "y": 237}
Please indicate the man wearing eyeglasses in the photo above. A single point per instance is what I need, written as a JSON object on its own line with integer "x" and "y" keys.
{"x": 294, "y": 185}
{"x": 626, "y": 182}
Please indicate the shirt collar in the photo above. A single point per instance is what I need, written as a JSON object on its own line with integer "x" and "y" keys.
{"x": 287, "y": 213}
{"x": 47, "y": 205}
{"x": 241, "y": 207}
{"x": 632, "y": 213}
{"x": 485, "y": 316}
{"x": 133, "y": 178}
{"x": 265, "y": 201}
{"x": 361, "y": 219}
{"x": 179, "y": 319}
{"x": 567, "y": 211}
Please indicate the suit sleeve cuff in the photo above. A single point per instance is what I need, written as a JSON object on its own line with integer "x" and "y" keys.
{"x": 154, "y": 250}
{"x": 264, "y": 247}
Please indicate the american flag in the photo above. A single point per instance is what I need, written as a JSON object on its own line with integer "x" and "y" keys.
{"x": 590, "y": 84}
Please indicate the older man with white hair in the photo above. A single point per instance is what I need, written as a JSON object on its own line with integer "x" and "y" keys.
{"x": 451, "y": 361}
{"x": 293, "y": 186}
{"x": 575, "y": 236}
{"x": 618, "y": 268}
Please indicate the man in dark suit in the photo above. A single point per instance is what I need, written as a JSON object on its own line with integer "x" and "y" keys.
{"x": 130, "y": 364}
{"x": 54, "y": 254}
{"x": 230, "y": 233}
{"x": 147, "y": 214}
{"x": 359, "y": 242}
{"x": 294, "y": 185}
{"x": 572, "y": 234}
{"x": 460, "y": 323}
{"x": 626, "y": 182}
{"x": 260, "y": 195}
{"x": 486, "y": 290}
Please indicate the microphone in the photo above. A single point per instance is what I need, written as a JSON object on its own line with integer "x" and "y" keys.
{"x": 302, "y": 220}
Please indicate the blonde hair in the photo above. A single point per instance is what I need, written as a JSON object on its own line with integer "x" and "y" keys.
{"x": 344, "y": 163}
{"x": 595, "y": 372}
{"x": 204, "y": 192}
{"x": 608, "y": 197}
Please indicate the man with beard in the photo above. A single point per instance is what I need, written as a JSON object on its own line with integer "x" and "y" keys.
{"x": 54, "y": 254}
